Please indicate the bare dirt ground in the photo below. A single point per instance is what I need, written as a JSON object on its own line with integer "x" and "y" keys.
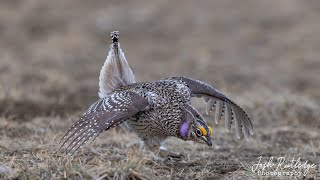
{"x": 263, "y": 54}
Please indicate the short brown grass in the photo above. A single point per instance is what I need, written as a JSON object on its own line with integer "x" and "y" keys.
{"x": 263, "y": 54}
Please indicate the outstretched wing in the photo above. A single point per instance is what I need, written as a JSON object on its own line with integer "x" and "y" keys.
{"x": 222, "y": 105}
{"x": 104, "y": 114}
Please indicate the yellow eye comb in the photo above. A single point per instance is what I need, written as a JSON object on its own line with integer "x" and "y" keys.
{"x": 204, "y": 132}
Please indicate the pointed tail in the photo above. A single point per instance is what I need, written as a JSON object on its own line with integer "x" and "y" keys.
{"x": 115, "y": 72}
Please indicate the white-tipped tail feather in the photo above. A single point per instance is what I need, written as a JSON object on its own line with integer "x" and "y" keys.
{"x": 115, "y": 72}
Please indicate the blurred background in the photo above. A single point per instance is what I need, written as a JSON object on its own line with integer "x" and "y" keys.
{"x": 263, "y": 54}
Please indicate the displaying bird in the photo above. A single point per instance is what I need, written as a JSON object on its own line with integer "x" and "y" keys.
{"x": 153, "y": 110}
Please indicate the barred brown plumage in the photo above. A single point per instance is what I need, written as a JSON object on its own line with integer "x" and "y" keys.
{"x": 153, "y": 110}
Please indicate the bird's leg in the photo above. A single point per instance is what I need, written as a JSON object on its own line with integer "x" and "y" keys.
{"x": 165, "y": 153}
{"x": 162, "y": 153}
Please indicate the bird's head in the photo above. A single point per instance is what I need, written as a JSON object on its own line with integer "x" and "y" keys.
{"x": 194, "y": 128}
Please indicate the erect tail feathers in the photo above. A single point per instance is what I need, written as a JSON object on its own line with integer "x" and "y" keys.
{"x": 115, "y": 72}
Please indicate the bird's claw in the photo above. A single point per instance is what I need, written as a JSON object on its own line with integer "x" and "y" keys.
{"x": 170, "y": 156}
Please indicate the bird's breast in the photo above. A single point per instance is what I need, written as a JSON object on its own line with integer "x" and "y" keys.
{"x": 163, "y": 117}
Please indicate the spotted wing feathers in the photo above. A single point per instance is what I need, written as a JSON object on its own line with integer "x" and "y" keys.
{"x": 104, "y": 114}
{"x": 222, "y": 106}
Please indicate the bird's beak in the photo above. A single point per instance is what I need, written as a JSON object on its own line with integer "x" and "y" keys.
{"x": 206, "y": 140}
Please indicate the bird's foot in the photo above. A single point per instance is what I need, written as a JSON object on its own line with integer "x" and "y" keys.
{"x": 162, "y": 154}
{"x": 169, "y": 156}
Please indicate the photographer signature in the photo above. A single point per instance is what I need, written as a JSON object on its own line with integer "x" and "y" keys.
{"x": 280, "y": 164}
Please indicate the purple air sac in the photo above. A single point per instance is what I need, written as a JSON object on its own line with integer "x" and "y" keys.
{"x": 184, "y": 129}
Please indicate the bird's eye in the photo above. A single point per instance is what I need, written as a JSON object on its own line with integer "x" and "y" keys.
{"x": 199, "y": 132}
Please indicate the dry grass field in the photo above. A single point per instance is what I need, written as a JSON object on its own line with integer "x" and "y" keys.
{"x": 263, "y": 54}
